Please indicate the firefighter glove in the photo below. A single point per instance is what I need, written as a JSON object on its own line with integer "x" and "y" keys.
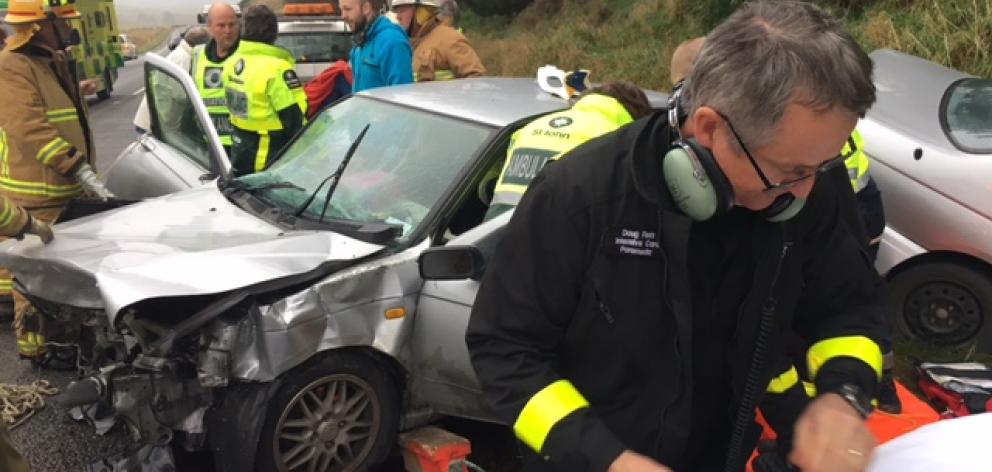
{"x": 88, "y": 179}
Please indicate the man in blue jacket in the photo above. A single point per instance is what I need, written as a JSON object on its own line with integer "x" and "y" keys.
{"x": 382, "y": 54}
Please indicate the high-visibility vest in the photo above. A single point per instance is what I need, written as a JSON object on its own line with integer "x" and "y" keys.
{"x": 260, "y": 82}
{"x": 549, "y": 137}
{"x": 857, "y": 163}
{"x": 209, "y": 78}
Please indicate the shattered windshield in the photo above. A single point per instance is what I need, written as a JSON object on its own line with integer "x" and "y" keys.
{"x": 398, "y": 173}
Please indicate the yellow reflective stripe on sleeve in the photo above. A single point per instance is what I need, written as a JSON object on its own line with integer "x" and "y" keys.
{"x": 544, "y": 410}
{"x": 52, "y": 149}
{"x": 39, "y": 188}
{"x": 444, "y": 74}
{"x": 61, "y": 114}
{"x": 262, "y": 154}
{"x": 63, "y": 119}
{"x": 8, "y": 214}
{"x": 784, "y": 382}
{"x": 810, "y": 388}
{"x": 858, "y": 347}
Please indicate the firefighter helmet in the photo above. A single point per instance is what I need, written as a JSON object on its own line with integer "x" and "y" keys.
{"x": 32, "y": 11}
{"x": 416, "y": 3}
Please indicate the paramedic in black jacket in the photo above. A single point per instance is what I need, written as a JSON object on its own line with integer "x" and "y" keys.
{"x": 634, "y": 312}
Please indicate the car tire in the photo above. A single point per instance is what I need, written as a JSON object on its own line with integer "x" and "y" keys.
{"x": 108, "y": 86}
{"x": 353, "y": 427}
{"x": 942, "y": 303}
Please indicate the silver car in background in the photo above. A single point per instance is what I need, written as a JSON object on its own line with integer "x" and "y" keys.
{"x": 298, "y": 318}
{"x": 930, "y": 140}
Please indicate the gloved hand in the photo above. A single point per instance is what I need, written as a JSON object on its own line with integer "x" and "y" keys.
{"x": 41, "y": 229}
{"x": 87, "y": 177}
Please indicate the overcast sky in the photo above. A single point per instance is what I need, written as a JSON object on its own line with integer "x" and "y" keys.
{"x": 133, "y": 13}
{"x": 177, "y": 6}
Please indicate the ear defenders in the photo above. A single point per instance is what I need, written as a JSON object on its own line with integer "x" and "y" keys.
{"x": 697, "y": 184}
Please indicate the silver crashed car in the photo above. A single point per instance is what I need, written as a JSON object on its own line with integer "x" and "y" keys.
{"x": 930, "y": 140}
{"x": 298, "y": 318}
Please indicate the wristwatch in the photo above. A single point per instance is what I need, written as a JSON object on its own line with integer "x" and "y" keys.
{"x": 857, "y": 398}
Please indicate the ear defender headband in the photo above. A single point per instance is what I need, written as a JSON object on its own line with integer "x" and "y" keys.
{"x": 697, "y": 184}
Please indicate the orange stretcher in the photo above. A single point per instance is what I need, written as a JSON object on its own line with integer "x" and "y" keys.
{"x": 885, "y": 427}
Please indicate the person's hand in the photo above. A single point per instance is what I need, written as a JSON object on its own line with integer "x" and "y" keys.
{"x": 831, "y": 437}
{"x": 41, "y": 229}
{"x": 87, "y": 87}
{"x": 630, "y": 461}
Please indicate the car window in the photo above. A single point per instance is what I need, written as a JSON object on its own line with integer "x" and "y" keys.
{"x": 316, "y": 46}
{"x": 174, "y": 118}
{"x": 966, "y": 115}
{"x": 401, "y": 169}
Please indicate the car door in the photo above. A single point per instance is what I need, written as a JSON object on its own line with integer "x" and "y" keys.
{"x": 180, "y": 151}
{"x": 443, "y": 372}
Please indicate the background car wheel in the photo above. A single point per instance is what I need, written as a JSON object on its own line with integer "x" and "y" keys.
{"x": 340, "y": 413}
{"x": 942, "y": 303}
{"x": 108, "y": 86}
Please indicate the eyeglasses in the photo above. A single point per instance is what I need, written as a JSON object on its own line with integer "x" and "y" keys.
{"x": 824, "y": 167}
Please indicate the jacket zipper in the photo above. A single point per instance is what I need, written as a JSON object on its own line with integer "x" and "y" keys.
{"x": 749, "y": 396}
{"x": 603, "y": 308}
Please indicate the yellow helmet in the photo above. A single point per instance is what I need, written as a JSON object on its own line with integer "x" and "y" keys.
{"x": 32, "y": 11}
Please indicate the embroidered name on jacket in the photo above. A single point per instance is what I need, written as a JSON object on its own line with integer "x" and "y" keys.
{"x": 632, "y": 242}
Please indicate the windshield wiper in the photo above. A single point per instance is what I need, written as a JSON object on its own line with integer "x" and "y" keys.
{"x": 336, "y": 175}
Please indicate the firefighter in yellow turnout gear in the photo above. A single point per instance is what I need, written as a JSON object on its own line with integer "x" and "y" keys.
{"x": 439, "y": 51}
{"x": 267, "y": 101}
{"x": 47, "y": 144}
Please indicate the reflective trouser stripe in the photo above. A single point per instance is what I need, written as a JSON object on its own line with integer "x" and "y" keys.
{"x": 6, "y": 285}
{"x": 52, "y": 149}
{"x": 544, "y": 410}
{"x": 784, "y": 382}
{"x": 30, "y": 344}
{"x": 262, "y": 155}
{"x": 858, "y": 347}
{"x": 39, "y": 189}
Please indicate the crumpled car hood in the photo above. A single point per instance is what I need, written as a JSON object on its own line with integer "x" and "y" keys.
{"x": 193, "y": 242}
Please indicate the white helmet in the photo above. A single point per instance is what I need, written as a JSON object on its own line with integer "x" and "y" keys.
{"x": 418, "y": 3}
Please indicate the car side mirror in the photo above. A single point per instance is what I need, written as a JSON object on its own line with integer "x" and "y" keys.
{"x": 452, "y": 263}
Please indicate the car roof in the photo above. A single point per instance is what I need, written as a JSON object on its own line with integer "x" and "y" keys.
{"x": 909, "y": 91}
{"x": 496, "y": 101}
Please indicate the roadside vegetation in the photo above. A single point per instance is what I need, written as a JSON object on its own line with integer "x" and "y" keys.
{"x": 148, "y": 38}
{"x": 634, "y": 39}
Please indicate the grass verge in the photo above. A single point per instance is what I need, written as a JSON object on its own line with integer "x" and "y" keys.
{"x": 148, "y": 38}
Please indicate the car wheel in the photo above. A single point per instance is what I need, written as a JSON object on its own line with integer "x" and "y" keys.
{"x": 942, "y": 303}
{"x": 108, "y": 85}
{"x": 338, "y": 414}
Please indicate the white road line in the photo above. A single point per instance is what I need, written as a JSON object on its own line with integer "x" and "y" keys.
{"x": 139, "y": 91}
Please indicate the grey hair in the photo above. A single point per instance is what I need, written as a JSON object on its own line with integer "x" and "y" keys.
{"x": 770, "y": 54}
{"x": 196, "y": 35}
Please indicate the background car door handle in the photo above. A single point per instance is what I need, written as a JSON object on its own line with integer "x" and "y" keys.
{"x": 208, "y": 177}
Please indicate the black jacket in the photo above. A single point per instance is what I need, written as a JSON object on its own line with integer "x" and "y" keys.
{"x": 591, "y": 284}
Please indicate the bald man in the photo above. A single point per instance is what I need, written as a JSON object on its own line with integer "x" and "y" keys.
{"x": 683, "y": 57}
{"x": 208, "y": 66}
